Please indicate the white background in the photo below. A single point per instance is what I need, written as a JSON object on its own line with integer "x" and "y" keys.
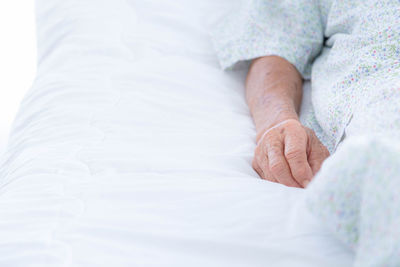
{"x": 17, "y": 58}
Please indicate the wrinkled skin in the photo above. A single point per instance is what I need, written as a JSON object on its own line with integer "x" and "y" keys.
{"x": 287, "y": 152}
{"x": 290, "y": 154}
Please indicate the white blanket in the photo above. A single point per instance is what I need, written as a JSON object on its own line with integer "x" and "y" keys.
{"x": 133, "y": 148}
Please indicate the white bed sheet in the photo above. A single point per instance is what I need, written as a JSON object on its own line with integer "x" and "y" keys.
{"x": 134, "y": 149}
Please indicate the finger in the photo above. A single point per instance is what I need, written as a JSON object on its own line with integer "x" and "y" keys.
{"x": 257, "y": 168}
{"x": 317, "y": 155}
{"x": 261, "y": 163}
{"x": 264, "y": 164}
{"x": 278, "y": 166}
{"x": 296, "y": 156}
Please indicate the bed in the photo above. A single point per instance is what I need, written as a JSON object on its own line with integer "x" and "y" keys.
{"x": 133, "y": 148}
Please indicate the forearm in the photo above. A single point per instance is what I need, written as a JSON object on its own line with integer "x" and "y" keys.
{"x": 273, "y": 92}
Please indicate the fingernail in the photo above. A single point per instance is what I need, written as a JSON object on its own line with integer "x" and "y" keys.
{"x": 305, "y": 183}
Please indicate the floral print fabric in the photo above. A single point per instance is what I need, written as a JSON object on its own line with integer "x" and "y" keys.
{"x": 351, "y": 52}
{"x": 349, "y": 49}
{"x": 356, "y": 195}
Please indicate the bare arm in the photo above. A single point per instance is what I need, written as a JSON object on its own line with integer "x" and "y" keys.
{"x": 287, "y": 152}
{"x": 273, "y": 91}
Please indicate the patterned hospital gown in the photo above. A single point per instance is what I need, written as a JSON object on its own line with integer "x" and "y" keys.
{"x": 350, "y": 49}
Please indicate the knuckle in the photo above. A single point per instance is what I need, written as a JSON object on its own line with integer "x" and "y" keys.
{"x": 293, "y": 153}
{"x": 274, "y": 141}
{"x": 301, "y": 173}
{"x": 273, "y": 152}
{"x": 270, "y": 137}
{"x": 277, "y": 167}
{"x": 259, "y": 149}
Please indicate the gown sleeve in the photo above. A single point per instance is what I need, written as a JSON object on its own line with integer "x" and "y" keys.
{"x": 286, "y": 28}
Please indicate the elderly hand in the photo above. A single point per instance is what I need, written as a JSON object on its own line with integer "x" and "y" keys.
{"x": 289, "y": 153}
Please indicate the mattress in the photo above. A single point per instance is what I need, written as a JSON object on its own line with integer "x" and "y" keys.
{"x": 133, "y": 148}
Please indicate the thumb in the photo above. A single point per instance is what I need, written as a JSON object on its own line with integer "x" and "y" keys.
{"x": 317, "y": 154}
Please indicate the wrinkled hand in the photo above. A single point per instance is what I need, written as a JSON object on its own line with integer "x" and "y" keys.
{"x": 290, "y": 154}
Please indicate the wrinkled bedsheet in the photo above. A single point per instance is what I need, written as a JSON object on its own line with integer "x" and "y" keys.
{"x": 133, "y": 148}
